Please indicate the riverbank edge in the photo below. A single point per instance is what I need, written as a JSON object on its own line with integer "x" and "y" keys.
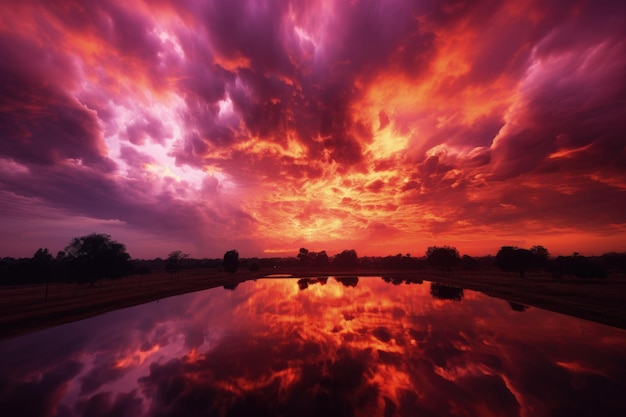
{"x": 598, "y": 301}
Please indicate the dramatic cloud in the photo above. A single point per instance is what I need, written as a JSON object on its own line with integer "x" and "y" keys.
{"x": 383, "y": 126}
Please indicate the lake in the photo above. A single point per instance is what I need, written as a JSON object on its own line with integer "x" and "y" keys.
{"x": 330, "y": 347}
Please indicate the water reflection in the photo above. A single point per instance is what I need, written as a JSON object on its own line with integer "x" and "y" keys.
{"x": 348, "y": 281}
{"x": 518, "y": 307}
{"x": 446, "y": 292}
{"x": 399, "y": 281}
{"x": 270, "y": 348}
{"x": 304, "y": 283}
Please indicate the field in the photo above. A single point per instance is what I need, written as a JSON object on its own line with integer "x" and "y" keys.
{"x": 24, "y": 309}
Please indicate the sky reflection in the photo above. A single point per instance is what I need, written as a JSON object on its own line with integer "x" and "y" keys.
{"x": 358, "y": 347}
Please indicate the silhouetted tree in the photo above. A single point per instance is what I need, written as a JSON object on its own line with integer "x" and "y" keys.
{"x": 468, "y": 263}
{"x": 614, "y": 261}
{"x": 446, "y": 292}
{"x": 303, "y": 256}
{"x": 321, "y": 259}
{"x": 39, "y": 268}
{"x": 174, "y": 261}
{"x": 96, "y": 256}
{"x": 512, "y": 259}
{"x": 442, "y": 256}
{"x": 310, "y": 258}
{"x": 397, "y": 261}
{"x": 576, "y": 265}
{"x": 61, "y": 266}
{"x": 541, "y": 255}
{"x": 42, "y": 262}
{"x": 231, "y": 261}
{"x": 347, "y": 258}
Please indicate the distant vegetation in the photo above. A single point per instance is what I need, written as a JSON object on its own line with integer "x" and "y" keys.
{"x": 231, "y": 261}
{"x": 85, "y": 259}
{"x": 93, "y": 257}
{"x": 512, "y": 259}
{"x": 443, "y": 257}
{"x": 174, "y": 261}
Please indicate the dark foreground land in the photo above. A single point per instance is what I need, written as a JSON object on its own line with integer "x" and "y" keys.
{"x": 25, "y": 309}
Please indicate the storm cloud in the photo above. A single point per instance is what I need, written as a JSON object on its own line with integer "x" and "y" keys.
{"x": 252, "y": 123}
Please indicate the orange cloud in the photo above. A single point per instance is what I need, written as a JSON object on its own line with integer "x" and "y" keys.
{"x": 323, "y": 123}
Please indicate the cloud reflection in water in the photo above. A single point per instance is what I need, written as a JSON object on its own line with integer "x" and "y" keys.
{"x": 276, "y": 347}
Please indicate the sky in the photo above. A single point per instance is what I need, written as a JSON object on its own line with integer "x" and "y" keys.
{"x": 266, "y": 126}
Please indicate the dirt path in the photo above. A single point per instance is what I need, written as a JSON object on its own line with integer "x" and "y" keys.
{"x": 26, "y": 309}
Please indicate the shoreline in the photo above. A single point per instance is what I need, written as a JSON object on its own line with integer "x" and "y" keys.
{"x": 24, "y": 309}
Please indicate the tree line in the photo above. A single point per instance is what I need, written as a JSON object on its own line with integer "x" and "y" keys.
{"x": 92, "y": 257}
{"x": 85, "y": 259}
{"x": 508, "y": 259}
{"x": 89, "y": 258}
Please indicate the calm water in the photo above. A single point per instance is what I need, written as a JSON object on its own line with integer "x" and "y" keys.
{"x": 361, "y": 347}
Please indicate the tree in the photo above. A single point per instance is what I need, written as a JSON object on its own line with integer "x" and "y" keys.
{"x": 542, "y": 256}
{"x": 42, "y": 264}
{"x": 442, "y": 256}
{"x": 321, "y": 258}
{"x": 512, "y": 259}
{"x": 96, "y": 256}
{"x": 174, "y": 261}
{"x": 303, "y": 256}
{"x": 614, "y": 261}
{"x": 576, "y": 265}
{"x": 310, "y": 258}
{"x": 347, "y": 258}
{"x": 231, "y": 261}
{"x": 42, "y": 267}
{"x": 468, "y": 263}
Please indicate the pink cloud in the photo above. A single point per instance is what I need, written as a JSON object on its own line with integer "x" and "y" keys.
{"x": 446, "y": 120}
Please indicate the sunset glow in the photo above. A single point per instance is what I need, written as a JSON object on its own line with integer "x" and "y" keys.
{"x": 266, "y": 126}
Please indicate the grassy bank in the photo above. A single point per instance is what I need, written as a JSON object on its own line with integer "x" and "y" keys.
{"x": 25, "y": 309}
